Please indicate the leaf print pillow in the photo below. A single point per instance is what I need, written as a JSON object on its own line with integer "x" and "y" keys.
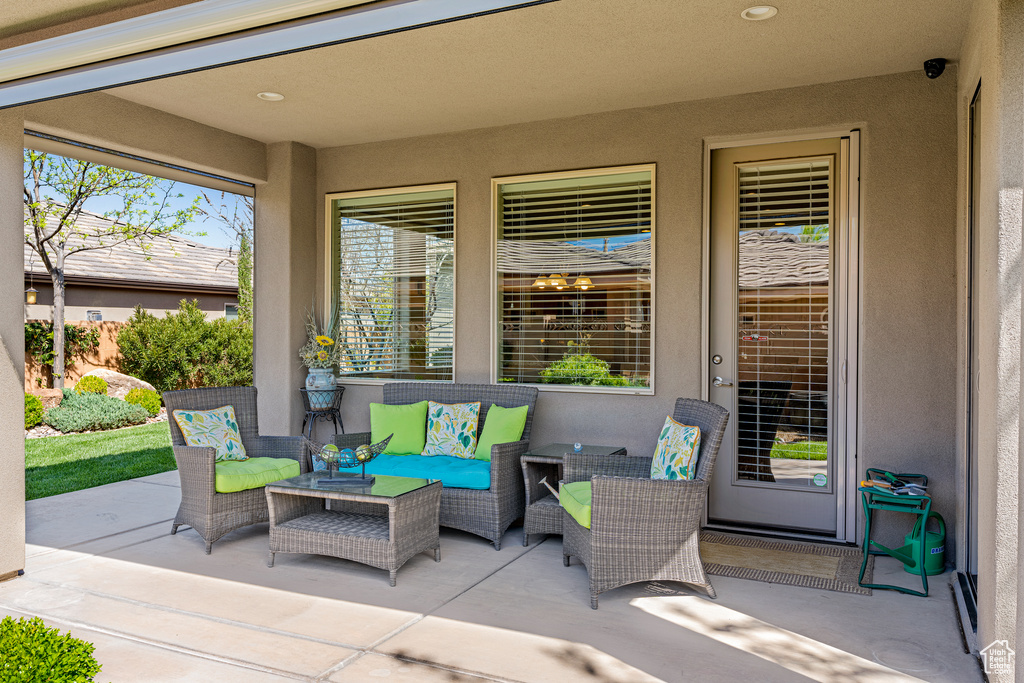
{"x": 451, "y": 429}
{"x": 215, "y": 428}
{"x": 675, "y": 457}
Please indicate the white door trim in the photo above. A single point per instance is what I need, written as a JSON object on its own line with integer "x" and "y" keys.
{"x": 848, "y": 271}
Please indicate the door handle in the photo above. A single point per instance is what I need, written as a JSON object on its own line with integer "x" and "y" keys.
{"x": 719, "y": 382}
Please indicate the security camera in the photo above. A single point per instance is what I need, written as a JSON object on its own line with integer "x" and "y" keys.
{"x": 933, "y": 68}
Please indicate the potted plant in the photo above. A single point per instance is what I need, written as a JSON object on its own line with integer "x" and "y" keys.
{"x": 321, "y": 352}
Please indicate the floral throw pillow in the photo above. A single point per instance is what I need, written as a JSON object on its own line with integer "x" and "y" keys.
{"x": 215, "y": 428}
{"x": 451, "y": 429}
{"x": 676, "y": 454}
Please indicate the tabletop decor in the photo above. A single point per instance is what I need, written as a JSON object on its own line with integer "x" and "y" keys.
{"x": 321, "y": 352}
{"x": 329, "y": 457}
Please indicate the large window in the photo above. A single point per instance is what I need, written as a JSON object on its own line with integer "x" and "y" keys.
{"x": 574, "y": 268}
{"x": 393, "y": 280}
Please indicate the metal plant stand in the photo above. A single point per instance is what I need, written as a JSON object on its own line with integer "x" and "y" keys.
{"x": 323, "y": 405}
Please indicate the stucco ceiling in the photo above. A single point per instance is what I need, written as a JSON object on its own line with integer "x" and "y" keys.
{"x": 562, "y": 59}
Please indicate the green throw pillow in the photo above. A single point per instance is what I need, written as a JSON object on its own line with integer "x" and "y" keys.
{"x": 502, "y": 425}
{"x": 408, "y": 423}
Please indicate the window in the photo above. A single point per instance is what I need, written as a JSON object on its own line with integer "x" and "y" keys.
{"x": 231, "y": 311}
{"x": 94, "y": 316}
{"x": 393, "y": 281}
{"x": 574, "y": 270}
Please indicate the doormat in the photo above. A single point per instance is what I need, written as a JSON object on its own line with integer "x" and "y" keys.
{"x": 830, "y": 567}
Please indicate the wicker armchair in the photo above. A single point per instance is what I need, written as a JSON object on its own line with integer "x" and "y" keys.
{"x": 643, "y": 529}
{"x": 488, "y": 512}
{"x": 210, "y": 513}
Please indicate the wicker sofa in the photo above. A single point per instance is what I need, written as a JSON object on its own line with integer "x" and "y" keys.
{"x": 484, "y": 512}
{"x": 210, "y": 513}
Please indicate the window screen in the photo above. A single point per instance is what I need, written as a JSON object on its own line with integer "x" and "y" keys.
{"x": 574, "y": 264}
{"x": 393, "y": 256}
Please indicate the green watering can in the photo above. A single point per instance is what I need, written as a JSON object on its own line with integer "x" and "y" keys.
{"x": 934, "y": 546}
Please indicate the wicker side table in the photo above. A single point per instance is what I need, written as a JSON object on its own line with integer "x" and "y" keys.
{"x": 543, "y": 513}
{"x": 382, "y": 525}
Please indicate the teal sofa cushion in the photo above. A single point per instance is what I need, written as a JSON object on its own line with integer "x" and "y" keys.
{"x": 242, "y": 475}
{"x": 457, "y": 473}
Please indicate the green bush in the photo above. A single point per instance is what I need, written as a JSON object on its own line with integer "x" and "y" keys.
{"x": 93, "y": 412}
{"x": 148, "y": 399}
{"x": 78, "y": 341}
{"x": 582, "y": 369}
{"x": 185, "y": 350}
{"x": 91, "y": 384}
{"x": 30, "y": 653}
{"x": 33, "y": 411}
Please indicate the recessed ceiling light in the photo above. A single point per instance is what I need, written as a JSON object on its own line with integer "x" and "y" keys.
{"x": 270, "y": 96}
{"x": 759, "y": 12}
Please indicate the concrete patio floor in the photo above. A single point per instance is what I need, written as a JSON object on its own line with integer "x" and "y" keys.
{"x": 102, "y": 564}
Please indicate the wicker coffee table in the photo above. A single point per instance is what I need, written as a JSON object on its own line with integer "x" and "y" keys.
{"x": 543, "y": 514}
{"x": 381, "y": 525}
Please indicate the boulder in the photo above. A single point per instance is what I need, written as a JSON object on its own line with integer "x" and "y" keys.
{"x": 119, "y": 385}
{"x": 50, "y": 397}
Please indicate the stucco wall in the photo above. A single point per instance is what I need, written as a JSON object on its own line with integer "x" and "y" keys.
{"x": 909, "y": 160}
{"x": 117, "y": 304}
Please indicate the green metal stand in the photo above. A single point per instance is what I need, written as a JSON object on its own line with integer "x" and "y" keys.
{"x": 874, "y": 498}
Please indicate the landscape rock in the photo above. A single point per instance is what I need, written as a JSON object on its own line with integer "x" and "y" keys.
{"x": 50, "y": 397}
{"x": 118, "y": 385}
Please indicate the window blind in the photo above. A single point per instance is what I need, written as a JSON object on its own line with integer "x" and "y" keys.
{"x": 574, "y": 265}
{"x": 394, "y": 283}
{"x": 784, "y": 303}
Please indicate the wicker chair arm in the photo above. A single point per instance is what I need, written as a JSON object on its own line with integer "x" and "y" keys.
{"x": 506, "y": 470}
{"x": 197, "y": 472}
{"x": 645, "y": 505}
{"x": 279, "y": 447}
{"x": 583, "y": 466}
{"x": 350, "y": 440}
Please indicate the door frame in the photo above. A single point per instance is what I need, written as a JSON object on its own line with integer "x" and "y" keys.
{"x": 847, "y": 324}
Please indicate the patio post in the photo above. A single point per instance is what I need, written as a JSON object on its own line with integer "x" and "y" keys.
{"x": 284, "y": 282}
{"x": 12, "y": 348}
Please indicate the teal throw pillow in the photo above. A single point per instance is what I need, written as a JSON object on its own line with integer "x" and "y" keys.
{"x": 408, "y": 423}
{"x": 501, "y": 425}
{"x": 451, "y": 429}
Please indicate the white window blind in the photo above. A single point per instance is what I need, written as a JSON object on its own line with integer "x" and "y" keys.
{"x": 394, "y": 283}
{"x": 574, "y": 263}
{"x": 784, "y": 303}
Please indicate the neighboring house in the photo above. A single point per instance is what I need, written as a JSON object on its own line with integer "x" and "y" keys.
{"x": 106, "y": 284}
{"x": 393, "y": 166}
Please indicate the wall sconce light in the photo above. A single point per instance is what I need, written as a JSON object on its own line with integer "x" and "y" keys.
{"x": 30, "y": 295}
{"x": 584, "y": 283}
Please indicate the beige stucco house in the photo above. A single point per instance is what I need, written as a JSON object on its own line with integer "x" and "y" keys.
{"x": 446, "y": 155}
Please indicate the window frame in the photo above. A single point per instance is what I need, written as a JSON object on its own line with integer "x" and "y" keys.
{"x": 329, "y": 274}
{"x": 495, "y": 302}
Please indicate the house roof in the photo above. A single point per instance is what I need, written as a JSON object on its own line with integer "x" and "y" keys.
{"x": 168, "y": 262}
{"x": 776, "y": 259}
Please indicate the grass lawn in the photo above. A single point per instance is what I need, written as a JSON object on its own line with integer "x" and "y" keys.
{"x": 801, "y": 450}
{"x": 59, "y": 464}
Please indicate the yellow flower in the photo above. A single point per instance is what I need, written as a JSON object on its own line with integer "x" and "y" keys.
{"x": 321, "y": 355}
{"x": 323, "y": 340}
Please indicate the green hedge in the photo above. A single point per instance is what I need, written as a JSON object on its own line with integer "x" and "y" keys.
{"x": 33, "y": 411}
{"x": 93, "y": 412}
{"x": 32, "y": 653}
{"x": 150, "y": 400}
{"x": 582, "y": 369}
{"x": 184, "y": 349}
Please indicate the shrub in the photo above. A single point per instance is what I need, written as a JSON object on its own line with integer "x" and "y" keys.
{"x": 78, "y": 341}
{"x": 148, "y": 399}
{"x": 30, "y": 653}
{"x": 91, "y": 384}
{"x": 93, "y": 412}
{"x": 583, "y": 369}
{"x": 184, "y": 349}
{"x": 33, "y": 411}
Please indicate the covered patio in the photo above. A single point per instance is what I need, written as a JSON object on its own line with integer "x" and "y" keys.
{"x": 910, "y": 344}
{"x": 101, "y": 563}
